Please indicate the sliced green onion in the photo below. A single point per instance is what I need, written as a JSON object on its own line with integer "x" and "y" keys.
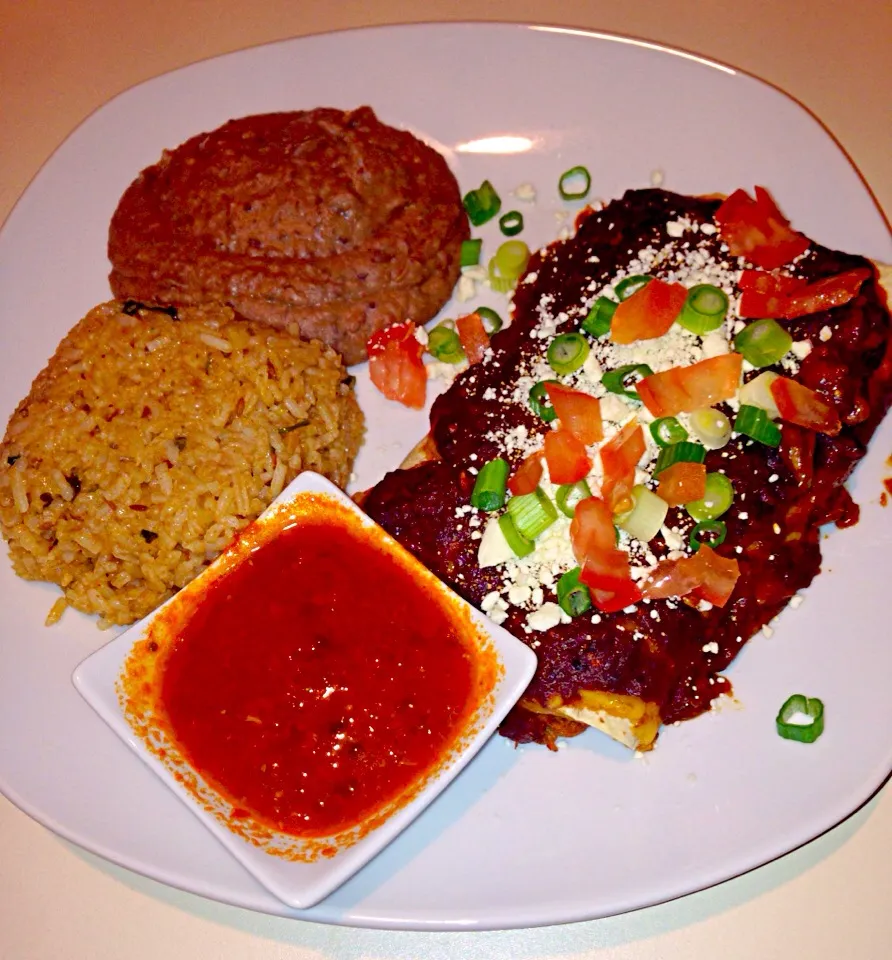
{"x": 567, "y": 352}
{"x": 667, "y": 430}
{"x": 644, "y": 520}
{"x": 711, "y": 427}
{"x": 575, "y": 183}
{"x": 470, "y": 252}
{"x": 508, "y": 264}
{"x": 623, "y": 379}
{"x": 511, "y": 223}
{"x": 763, "y": 342}
{"x": 705, "y": 309}
{"x": 532, "y": 513}
{"x": 710, "y": 532}
{"x": 444, "y": 344}
{"x": 490, "y": 485}
{"x": 797, "y": 709}
{"x": 521, "y": 546}
{"x": 482, "y": 204}
{"x": 625, "y": 288}
{"x": 574, "y": 597}
{"x": 492, "y": 322}
{"x": 753, "y": 422}
{"x": 568, "y": 495}
{"x": 540, "y": 403}
{"x": 599, "y": 318}
{"x": 718, "y": 497}
{"x": 685, "y": 451}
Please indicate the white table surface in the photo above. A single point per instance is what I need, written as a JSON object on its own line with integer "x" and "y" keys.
{"x": 59, "y": 60}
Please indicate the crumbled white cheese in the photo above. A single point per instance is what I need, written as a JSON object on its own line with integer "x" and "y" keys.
{"x": 421, "y": 336}
{"x": 826, "y": 333}
{"x": 547, "y": 616}
{"x": 466, "y": 289}
{"x": 493, "y": 548}
{"x": 801, "y": 348}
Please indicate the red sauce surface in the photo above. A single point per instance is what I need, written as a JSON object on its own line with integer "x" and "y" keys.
{"x": 319, "y": 679}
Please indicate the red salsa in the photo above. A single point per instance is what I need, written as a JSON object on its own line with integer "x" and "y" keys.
{"x": 320, "y": 678}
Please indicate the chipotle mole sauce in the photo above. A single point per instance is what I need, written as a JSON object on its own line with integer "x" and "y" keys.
{"x": 316, "y": 681}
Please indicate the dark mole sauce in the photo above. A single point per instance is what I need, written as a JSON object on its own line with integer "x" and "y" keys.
{"x": 319, "y": 679}
{"x": 657, "y": 652}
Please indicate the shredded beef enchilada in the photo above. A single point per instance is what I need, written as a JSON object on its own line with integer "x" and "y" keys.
{"x": 743, "y": 419}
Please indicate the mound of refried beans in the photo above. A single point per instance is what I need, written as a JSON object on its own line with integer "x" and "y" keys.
{"x": 326, "y": 222}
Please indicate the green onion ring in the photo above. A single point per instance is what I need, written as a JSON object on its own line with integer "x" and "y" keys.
{"x": 540, "y": 403}
{"x": 802, "y": 732}
{"x": 574, "y": 597}
{"x": 710, "y": 532}
{"x": 623, "y": 379}
{"x": 599, "y": 318}
{"x": 625, "y": 288}
{"x": 754, "y": 422}
{"x": 521, "y": 546}
{"x": 491, "y": 485}
{"x": 532, "y": 513}
{"x": 704, "y": 309}
{"x": 667, "y": 430}
{"x": 568, "y": 495}
{"x": 718, "y": 498}
{"x": 570, "y": 175}
{"x": 567, "y": 352}
{"x": 482, "y": 204}
{"x": 492, "y": 322}
{"x": 470, "y": 252}
{"x": 684, "y": 451}
{"x": 444, "y": 344}
{"x": 763, "y": 342}
{"x": 511, "y": 223}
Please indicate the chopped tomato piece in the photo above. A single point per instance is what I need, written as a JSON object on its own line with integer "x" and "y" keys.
{"x": 683, "y": 389}
{"x": 592, "y": 529}
{"x": 649, "y": 312}
{"x": 526, "y": 477}
{"x": 473, "y": 336}
{"x": 705, "y": 574}
{"x": 757, "y": 230}
{"x": 717, "y": 575}
{"x": 801, "y": 405}
{"x": 579, "y": 412}
{"x": 566, "y": 457}
{"x": 787, "y": 297}
{"x": 395, "y": 364}
{"x": 619, "y": 457}
{"x": 610, "y": 593}
{"x": 682, "y": 482}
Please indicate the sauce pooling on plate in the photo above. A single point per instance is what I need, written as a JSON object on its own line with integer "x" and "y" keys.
{"x": 320, "y": 679}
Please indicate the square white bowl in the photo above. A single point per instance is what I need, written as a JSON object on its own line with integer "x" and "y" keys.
{"x": 297, "y": 883}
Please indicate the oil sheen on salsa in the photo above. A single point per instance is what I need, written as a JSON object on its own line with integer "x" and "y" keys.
{"x": 319, "y": 679}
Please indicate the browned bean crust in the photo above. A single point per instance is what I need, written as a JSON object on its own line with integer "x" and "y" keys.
{"x": 326, "y": 222}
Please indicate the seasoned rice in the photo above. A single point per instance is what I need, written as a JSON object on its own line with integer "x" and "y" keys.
{"x": 149, "y": 440}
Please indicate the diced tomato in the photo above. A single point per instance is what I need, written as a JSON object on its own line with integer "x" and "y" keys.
{"x": 619, "y": 457}
{"x": 395, "y": 364}
{"x": 610, "y": 593}
{"x": 526, "y": 477}
{"x": 705, "y": 574}
{"x": 579, "y": 412}
{"x": 605, "y": 569}
{"x": 592, "y": 529}
{"x": 717, "y": 575}
{"x": 682, "y": 482}
{"x": 785, "y": 298}
{"x": 473, "y": 336}
{"x": 801, "y": 405}
{"x": 757, "y": 230}
{"x": 683, "y": 389}
{"x": 649, "y": 312}
{"x": 566, "y": 457}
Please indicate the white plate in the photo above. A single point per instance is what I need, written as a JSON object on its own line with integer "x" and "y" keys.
{"x": 296, "y": 882}
{"x": 524, "y": 836}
